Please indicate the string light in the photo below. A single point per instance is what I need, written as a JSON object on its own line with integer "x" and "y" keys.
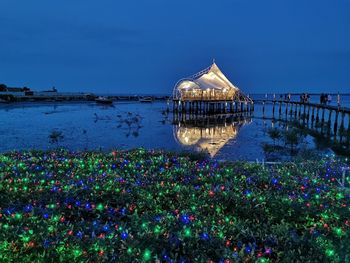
{"x": 141, "y": 205}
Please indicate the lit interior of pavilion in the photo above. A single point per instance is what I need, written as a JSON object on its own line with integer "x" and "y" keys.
{"x": 209, "y": 84}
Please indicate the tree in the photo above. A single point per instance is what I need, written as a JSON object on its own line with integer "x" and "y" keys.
{"x": 3, "y": 87}
{"x": 293, "y": 137}
{"x": 275, "y": 134}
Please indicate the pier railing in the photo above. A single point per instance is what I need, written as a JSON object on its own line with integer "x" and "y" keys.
{"x": 328, "y": 121}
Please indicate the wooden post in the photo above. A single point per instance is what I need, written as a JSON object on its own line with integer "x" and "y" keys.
{"x": 304, "y": 113}
{"x": 341, "y": 128}
{"x": 322, "y": 120}
{"x": 263, "y": 110}
{"x": 280, "y": 108}
{"x": 335, "y": 128}
{"x": 329, "y": 123}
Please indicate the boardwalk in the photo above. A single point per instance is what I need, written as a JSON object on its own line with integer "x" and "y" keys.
{"x": 330, "y": 122}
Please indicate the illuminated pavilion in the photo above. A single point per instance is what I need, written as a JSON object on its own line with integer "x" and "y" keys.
{"x": 209, "y": 84}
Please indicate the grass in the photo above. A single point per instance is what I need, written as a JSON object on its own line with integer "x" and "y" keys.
{"x": 143, "y": 206}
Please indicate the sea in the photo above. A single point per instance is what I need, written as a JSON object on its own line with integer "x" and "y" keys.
{"x": 80, "y": 126}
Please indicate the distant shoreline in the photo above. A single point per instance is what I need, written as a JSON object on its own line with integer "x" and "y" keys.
{"x": 6, "y": 97}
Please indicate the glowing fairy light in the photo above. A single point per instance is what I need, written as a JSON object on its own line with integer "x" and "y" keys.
{"x": 126, "y": 205}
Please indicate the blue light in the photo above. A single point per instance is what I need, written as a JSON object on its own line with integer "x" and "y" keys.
{"x": 123, "y": 211}
{"x": 28, "y": 208}
{"x": 124, "y": 235}
{"x": 80, "y": 234}
{"x": 46, "y": 243}
{"x": 185, "y": 219}
{"x": 247, "y": 250}
{"x": 205, "y": 236}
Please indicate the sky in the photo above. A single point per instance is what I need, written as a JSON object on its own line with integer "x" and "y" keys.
{"x": 145, "y": 46}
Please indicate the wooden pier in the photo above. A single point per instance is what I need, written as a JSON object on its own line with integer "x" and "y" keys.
{"x": 331, "y": 122}
{"x": 211, "y": 107}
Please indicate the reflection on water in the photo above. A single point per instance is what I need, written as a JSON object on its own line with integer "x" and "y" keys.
{"x": 81, "y": 126}
{"x": 208, "y": 134}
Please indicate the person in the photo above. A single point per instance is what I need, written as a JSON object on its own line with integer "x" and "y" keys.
{"x": 329, "y": 98}
{"x": 321, "y": 98}
{"x": 289, "y": 97}
{"x": 338, "y": 99}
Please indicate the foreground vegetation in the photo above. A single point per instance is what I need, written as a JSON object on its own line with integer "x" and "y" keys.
{"x": 139, "y": 206}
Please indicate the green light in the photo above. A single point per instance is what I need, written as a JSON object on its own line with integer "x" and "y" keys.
{"x": 147, "y": 255}
{"x": 339, "y": 196}
{"x": 18, "y": 216}
{"x": 129, "y": 251}
{"x": 330, "y": 252}
{"x": 157, "y": 229}
{"x": 338, "y": 231}
{"x": 99, "y": 207}
{"x": 77, "y": 252}
{"x": 26, "y": 239}
{"x": 187, "y": 232}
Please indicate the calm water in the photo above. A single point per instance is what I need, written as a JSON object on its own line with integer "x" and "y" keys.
{"x": 80, "y": 126}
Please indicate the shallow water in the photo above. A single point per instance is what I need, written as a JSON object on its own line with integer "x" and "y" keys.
{"x": 81, "y": 126}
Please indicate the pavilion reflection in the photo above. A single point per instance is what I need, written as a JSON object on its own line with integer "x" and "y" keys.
{"x": 208, "y": 134}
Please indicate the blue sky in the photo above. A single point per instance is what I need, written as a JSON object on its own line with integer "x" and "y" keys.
{"x": 114, "y": 46}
